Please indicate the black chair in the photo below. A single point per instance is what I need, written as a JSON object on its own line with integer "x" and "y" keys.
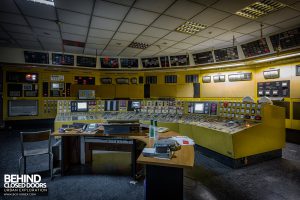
{"x": 33, "y": 137}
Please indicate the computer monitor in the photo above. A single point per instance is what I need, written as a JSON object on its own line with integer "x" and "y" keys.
{"x": 136, "y": 105}
{"x": 199, "y": 108}
{"x": 82, "y": 106}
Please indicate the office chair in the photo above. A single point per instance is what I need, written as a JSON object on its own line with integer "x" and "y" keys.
{"x": 33, "y": 137}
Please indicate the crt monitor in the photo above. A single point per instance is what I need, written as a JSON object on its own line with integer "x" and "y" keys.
{"x": 199, "y": 108}
{"x": 82, "y": 106}
{"x": 136, "y": 105}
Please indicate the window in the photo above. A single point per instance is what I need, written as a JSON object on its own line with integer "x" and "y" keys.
{"x": 194, "y": 78}
{"x": 171, "y": 79}
{"x": 151, "y": 79}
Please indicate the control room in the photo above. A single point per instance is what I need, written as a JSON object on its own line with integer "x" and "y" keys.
{"x": 150, "y": 99}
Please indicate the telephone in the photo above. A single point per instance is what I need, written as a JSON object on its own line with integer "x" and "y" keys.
{"x": 90, "y": 127}
{"x": 166, "y": 145}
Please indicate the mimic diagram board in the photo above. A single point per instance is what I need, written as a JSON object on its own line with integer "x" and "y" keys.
{"x": 226, "y": 54}
{"x": 180, "y": 60}
{"x": 109, "y": 62}
{"x": 36, "y": 57}
{"x": 150, "y": 62}
{"x": 85, "y": 61}
{"x": 204, "y": 57}
{"x": 129, "y": 63}
{"x": 164, "y": 61}
{"x": 273, "y": 89}
{"x": 62, "y": 59}
{"x": 286, "y": 40}
{"x": 255, "y": 48}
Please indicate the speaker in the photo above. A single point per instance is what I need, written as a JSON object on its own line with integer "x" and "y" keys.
{"x": 196, "y": 90}
{"x": 147, "y": 91}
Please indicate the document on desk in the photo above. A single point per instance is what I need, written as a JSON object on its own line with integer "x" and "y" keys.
{"x": 184, "y": 140}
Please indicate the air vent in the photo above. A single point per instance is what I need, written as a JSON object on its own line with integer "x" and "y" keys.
{"x": 260, "y": 8}
{"x": 73, "y": 43}
{"x": 190, "y": 27}
{"x": 138, "y": 45}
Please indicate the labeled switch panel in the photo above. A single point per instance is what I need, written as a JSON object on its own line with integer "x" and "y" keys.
{"x": 273, "y": 89}
{"x": 240, "y": 110}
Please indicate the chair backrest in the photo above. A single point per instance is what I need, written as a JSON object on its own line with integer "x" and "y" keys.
{"x": 37, "y": 136}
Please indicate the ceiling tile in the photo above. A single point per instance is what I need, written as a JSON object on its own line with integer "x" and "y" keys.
{"x": 205, "y": 2}
{"x": 231, "y": 22}
{"x": 76, "y": 5}
{"x": 89, "y": 51}
{"x": 132, "y": 28}
{"x": 21, "y": 36}
{"x": 296, "y": 5}
{"x": 233, "y": 6}
{"x": 266, "y": 31}
{"x": 198, "y": 47}
{"x": 288, "y": 2}
{"x": 209, "y": 16}
{"x": 50, "y": 40}
{"x": 279, "y": 16}
{"x": 182, "y": 45}
{"x": 140, "y": 16}
{"x": 125, "y": 36}
{"x": 167, "y": 22}
{"x": 95, "y": 46}
{"x": 3, "y": 35}
{"x": 213, "y": 42}
{"x": 289, "y": 23}
{"x": 155, "y": 32}
{"x": 67, "y": 28}
{"x": 42, "y": 23}
{"x": 194, "y": 40}
{"x": 248, "y": 28}
{"x": 172, "y": 50}
{"x": 40, "y": 10}
{"x": 8, "y": 6}
{"x": 73, "y": 37}
{"x": 211, "y": 32}
{"x": 123, "y": 2}
{"x": 12, "y": 18}
{"x": 119, "y": 43}
{"x": 155, "y": 48}
{"x": 244, "y": 38}
{"x": 117, "y": 49}
{"x": 153, "y": 5}
{"x": 52, "y": 47}
{"x": 164, "y": 43}
{"x": 146, "y": 53}
{"x": 146, "y": 39}
{"x": 184, "y": 9}
{"x": 16, "y": 28}
{"x": 71, "y": 49}
{"x": 110, "y": 52}
{"x": 228, "y": 36}
{"x": 176, "y": 36}
{"x": 46, "y": 33}
{"x": 110, "y": 10}
{"x": 107, "y": 24}
{"x": 130, "y": 51}
{"x": 73, "y": 18}
{"x": 95, "y": 40}
{"x": 100, "y": 33}
{"x": 26, "y": 44}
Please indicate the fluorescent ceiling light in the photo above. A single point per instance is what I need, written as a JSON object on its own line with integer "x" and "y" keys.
{"x": 190, "y": 27}
{"x": 46, "y": 2}
{"x": 224, "y": 66}
{"x": 138, "y": 45}
{"x": 260, "y": 8}
{"x": 277, "y": 58}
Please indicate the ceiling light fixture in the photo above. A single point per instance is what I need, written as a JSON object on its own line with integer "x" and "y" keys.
{"x": 190, "y": 27}
{"x": 46, "y": 2}
{"x": 277, "y": 58}
{"x": 138, "y": 45}
{"x": 260, "y": 8}
{"x": 224, "y": 66}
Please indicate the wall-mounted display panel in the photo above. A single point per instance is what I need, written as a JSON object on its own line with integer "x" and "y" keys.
{"x": 129, "y": 63}
{"x": 85, "y": 61}
{"x": 109, "y": 62}
{"x": 164, "y": 61}
{"x": 62, "y": 59}
{"x": 86, "y": 94}
{"x": 272, "y": 74}
{"x": 286, "y": 40}
{"x": 192, "y": 78}
{"x": 203, "y": 57}
{"x": 106, "y": 80}
{"x": 273, "y": 89}
{"x": 22, "y": 108}
{"x": 122, "y": 80}
{"x": 180, "y": 60}
{"x": 21, "y": 77}
{"x": 171, "y": 79}
{"x": 219, "y": 78}
{"x": 255, "y": 48}
{"x": 84, "y": 80}
{"x": 150, "y": 62}
{"x": 240, "y": 77}
{"x": 297, "y": 70}
{"x": 226, "y": 54}
{"x": 36, "y": 57}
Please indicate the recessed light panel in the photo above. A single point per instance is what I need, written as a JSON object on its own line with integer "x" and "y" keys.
{"x": 190, "y": 27}
{"x": 46, "y": 2}
{"x": 260, "y": 8}
{"x": 138, "y": 45}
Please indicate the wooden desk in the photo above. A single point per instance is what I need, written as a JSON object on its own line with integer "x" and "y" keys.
{"x": 164, "y": 178}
